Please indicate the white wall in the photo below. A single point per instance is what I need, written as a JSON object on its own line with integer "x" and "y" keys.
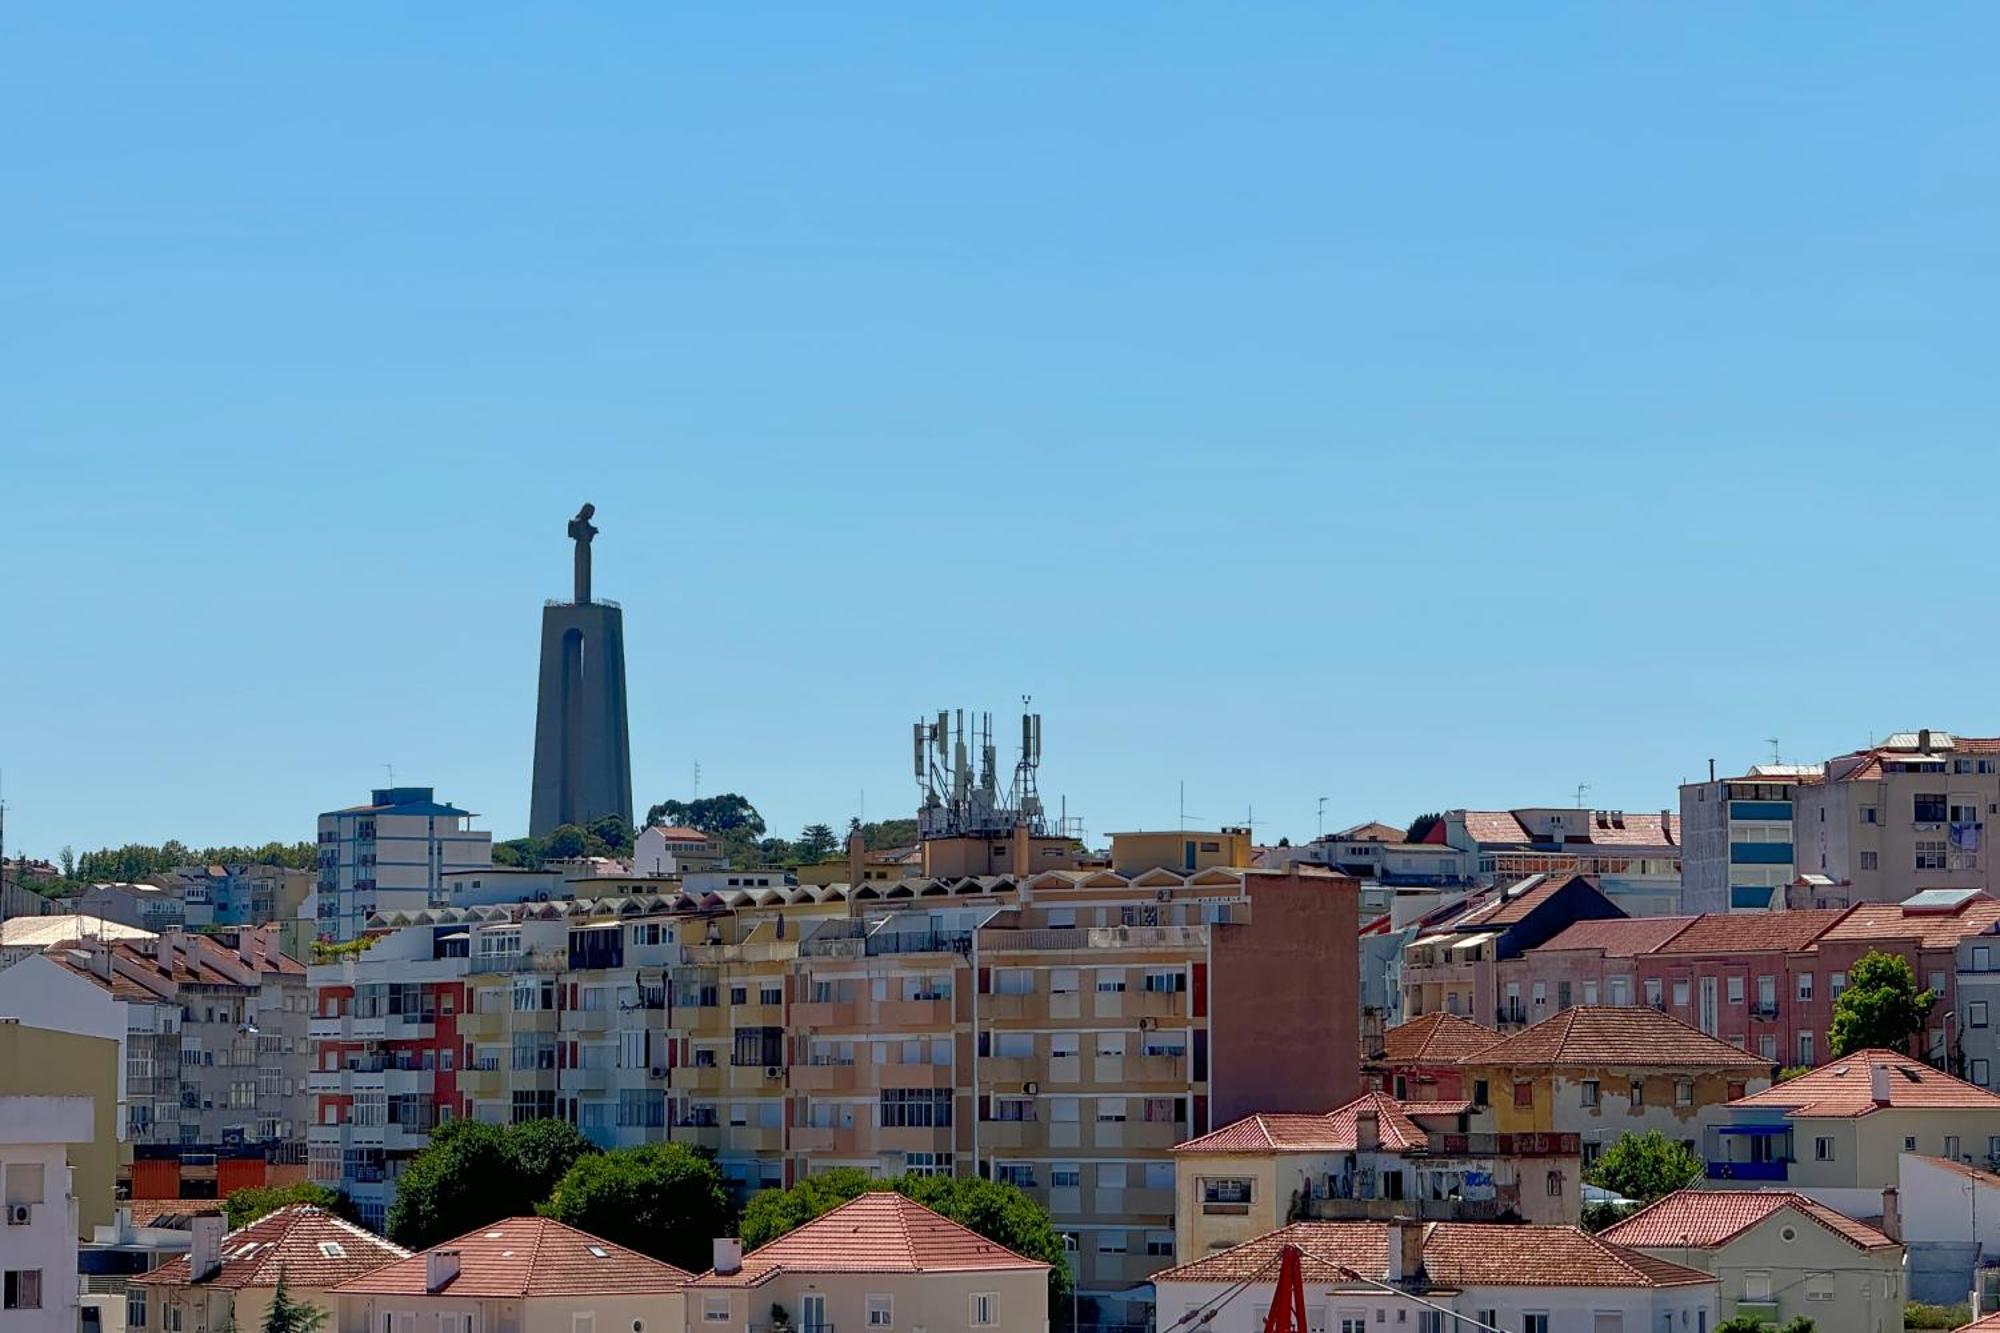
{"x": 1690, "y": 1309}
{"x": 44, "y": 994}
{"x": 1939, "y": 1204}
{"x": 47, "y": 1243}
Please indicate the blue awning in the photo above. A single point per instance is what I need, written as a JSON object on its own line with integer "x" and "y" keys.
{"x": 1753, "y": 1129}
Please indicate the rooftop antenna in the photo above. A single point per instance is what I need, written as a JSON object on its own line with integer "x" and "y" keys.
{"x": 391, "y": 768}
{"x": 697, "y": 779}
{"x": 1772, "y": 741}
{"x": 1322, "y": 816}
{"x": 1582, "y": 790}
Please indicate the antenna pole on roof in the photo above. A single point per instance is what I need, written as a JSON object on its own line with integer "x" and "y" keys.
{"x": 1582, "y": 790}
{"x": 1772, "y": 741}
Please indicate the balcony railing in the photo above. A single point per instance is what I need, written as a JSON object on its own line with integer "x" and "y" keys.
{"x": 1509, "y": 1145}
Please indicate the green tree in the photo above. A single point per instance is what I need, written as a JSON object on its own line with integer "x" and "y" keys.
{"x": 613, "y": 832}
{"x": 662, "y": 1199}
{"x": 1645, "y": 1166}
{"x": 1421, "y": 826}
{"x": 1749, "y": 1323}
{"x": 568, "y": 841}
{"x": 245, "y": 1206}
{"x": 711, "y": 814}
{"x": 997, "y": 1211}
{"x": 285, "y": 1315}
{"x": 1881, "y": 1006}
{"x": 815, "y": 843}
{"x": 886, "y": 833}
{"x": 472, "y": 1174}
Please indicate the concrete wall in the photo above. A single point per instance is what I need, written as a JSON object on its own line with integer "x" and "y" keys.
{"x": 1950, "y": 1219}
{"x": 917, "y": 1300}
{"x": 607, "y": 1313}
{"x": 39, "y": 1062}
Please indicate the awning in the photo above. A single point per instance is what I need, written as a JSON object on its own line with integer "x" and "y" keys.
{"x": 1753, "y": 1129}
{"x": 1474, "y": 941}
{"x": 1429, "y": 941}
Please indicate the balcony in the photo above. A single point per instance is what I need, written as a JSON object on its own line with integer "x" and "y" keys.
{"x": 700, "y": 1078}
{"x": 825, "y": 1078}
{"x": 595, "y": 1079}
{"x": 589, "y": 1020}
{"x": 1747, "y": 1170}
{"x": 1009, "y": 1071}
{"x": 1009, "y": 1134}
{"x": 1764, "y": 1009}
{"x": 697, "y": 1136}
{"x": 843, "y": 1014}
{"x": 1511, "y": 1016}
{"x": 1509, "y": 1145}
{"x": 327, "y": 1080}
{"x": 1423, "y": 1210}
{"x": 1164, "y": 1069}
{"x": 395, "y": 1081}
{"x": 843, "y": 1141}
{"x": 319, "y": 1028}
{"x": 753, "y": 1138}
{"x": 1155, "y": 1004}
{"x": 1001, "y": 1007}
{"x": 757, "y": 1078}
{"x": 903, "y": 1015}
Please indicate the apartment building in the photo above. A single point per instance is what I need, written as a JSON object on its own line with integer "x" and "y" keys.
{"x": 1599, "y": 1073}
{"x": 38, "y": 1227}
{"x": 1061, "y": 1031}
{"x": 44, "y": 1075}
{"x": 1836, "y": 1132}
{"x": 1634, "y": 859}
{"x": 1777, "y": 1256}
{"x": 1904, "y": 816}
{"x": 1362, "y": 1275}
{"x": 672, "y": 849}
{"x": 1974, "y": 1042}
{"x": 1739, "y": 837}
{"x": 1452, "y": 963}
{"x": 391, "y": 854}
{"x": 1374, "y": 1158}
{"x": 212, "y": 1037}
{"x": 239, "y": 894}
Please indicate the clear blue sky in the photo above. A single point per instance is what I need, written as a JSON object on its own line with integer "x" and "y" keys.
{"x": 1423, "y": 406}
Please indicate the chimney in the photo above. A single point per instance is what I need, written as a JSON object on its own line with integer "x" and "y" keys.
{"x": 1366, "y": 1132}
{"x": 205, "y": 1253}
{"x": 1892, "y": 1213}
{"x": 728, "y": 1256}
{"x": 1878, "y": 1084}
{"x": 1406, "y": 1252}
{"x": 1923, "y": 740}
{"x": 1711, "y": 770}
{"x": 440, "y": 1267}
{"x": 857, "y": 859}
{"x": 1023, "y": 854}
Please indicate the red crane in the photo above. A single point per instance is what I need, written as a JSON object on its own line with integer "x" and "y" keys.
{"x": 1288, "y": 1303}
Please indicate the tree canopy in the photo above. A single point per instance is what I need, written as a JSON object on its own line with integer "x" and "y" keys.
{"x": 472, "y": 1174}
{"x": 727, "y": 817}
{"x": 1645, "y": 1166}
{"x": 1750, "y": 1323}
{"x": 245, "y": 1206}
{"x": 1880, "y": 1007}
{"x": 997, "y": 1211}
{"x": 285, "y": 1315}
{"x": 815, "y": 842}
{"x": 1421, "y": 826}
{"x": 661, "y": 1199}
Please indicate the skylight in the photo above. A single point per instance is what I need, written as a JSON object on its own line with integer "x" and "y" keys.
{"x": 332, "y": 1249}
{"x": 599, "y": 1251}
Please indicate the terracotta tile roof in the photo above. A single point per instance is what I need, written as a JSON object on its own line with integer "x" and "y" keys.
{"x": 1620, "y": 937}
{"x": 1845, "y": 1087}
{"x": 1456, "y": 1254}
{"x": 1754, "y": 932}
{"x": 679, "y": 833}
{"x": 1332, "y": 1131}
{"x": 529, "y": 1256}
{"x": 1926, "y": 930}
{"x": 1606, "y": 1035}
{"x": 1494, "y": 826}
{"x": 1990, "y": 1324}
{"x": 1438, "y": 1038}
{"x": 315, "y": 1250}
{"x": 1629, "y": 830}
{"x": 1428, "y": 1110}
{"x": 1373, "y": 831}
{"x": 171, "y": 1213}
{"x": 1711, "y": 1218}
{"x": 877, "y": 1232}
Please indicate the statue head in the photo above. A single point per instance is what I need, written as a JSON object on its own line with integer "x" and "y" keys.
{"x": 583, "y": 515}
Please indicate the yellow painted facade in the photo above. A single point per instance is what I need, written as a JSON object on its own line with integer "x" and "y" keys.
{"x": 38, "y": 1062}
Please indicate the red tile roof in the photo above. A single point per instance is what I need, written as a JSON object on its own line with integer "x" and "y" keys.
{"x": 1455, "y": 1254}
{"x": 529, "y": 1256}
{"x": 173, "y": 1214}
{"x": 1492, "y": 826}
{"x": 1754, "y": 932}
{"x": 1438, "y": 1038}
{"x": 1845, "y": 1087}
{"x": 1711, "y": 1218}
{"x": 1926, "y": 930}
{"x": 877, "y": 1232}
{"x": 313, "y": 1248}
{"x": 1620, "y": 937}
{"x": 1333, "y": 1131}
{"x": 1629, "y": 830}
{"x": 1990, "y": 1324}
{"x": 1606, "y": 1035}
{"x": 1373, "y": 831}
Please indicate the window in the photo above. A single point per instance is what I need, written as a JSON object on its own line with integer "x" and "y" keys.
{"x": 1819, "y": 1286}
{"x": 1756, "y": 1287}
{"x": 21, "y": 1289}
{"x": 1681, "y": 994}
{"x": 1590, "y": 992}
{"x": 1684, "y": 1092}
{"x": 1930, "y": 854}
{"x": 1909, "y": 1143}
{"x": 1589, "y": 1089}
{"x": 1981, "y": 1074}
{"x": 1225, "y": 1194}
{"x": 1805, "y": 1048}
{"x": 1951, "y": 1145}
{"x": 1982, "y": 958}
{"x": 1535, "y": 1322}
{"x": 1927, "y": 808}
{"x": 135, "y": 1307}
{"x": 1836, "y": 982}
{"x": 1823, "y": 1149}
{"x": 1805, "y": 985}
{"x": 1488, "y": 1318}
{"x": 1736, "y": 990}
{"x": 715, "y": 1310}
{"x": 24, "y": 1182}
{"x": 1166, "y": 982}
{"x": 1869, "y": 814}
{"x": 1111, "y": 1242}
{"x": 1430, "y": 1321}
{"x": 1767, "y": 1047}
{"x": 1635, "y": 1090}
{"x": 1524, "y": 1094}
{"x": 1870, "y": 861}
{"x": 1555, "y": 1184}
{"x": 583, "y": 1322}
{"x": 1160, "y": 1244}
{"x": 1975, "y": 1014}
{"x": 1655, "y": 996}
{"x": 985, "y": 1305}
{"x": 881, "y": 1312}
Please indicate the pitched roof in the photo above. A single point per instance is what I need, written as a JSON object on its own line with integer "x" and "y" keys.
{"x": 1493, "y": 826}
{"x": 1979, "y": 1174}
{"x": 1455, "y": 1254}
{"x": 1372, "y": 831}
{"x": 1990, "y": 1324}
{"x": 1436, "y": 1038}
{"x": 1612, "y": 829}
{"x": 1608, "y": 1035}
{"x": 1926, "y": 930}
{"x": 1332, "y": 1131}
{"x": 172, "y": 1214}
{"x": 1754, "y": 932}
{"x": 528, "y": 1256}
{"x": 313, "y": 1248}
{"x": 40, "y": 932}
{"x": 877, "y": 1232}
{"x": 679, "y": 833}
{"x": 1511, "y": 906}
{"x": 1710, "y": 1218}
{"x": 1845, "y": 1087}
{"x": 1620, "y": 937}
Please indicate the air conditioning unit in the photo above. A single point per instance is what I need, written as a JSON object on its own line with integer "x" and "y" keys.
{"x": 19, "y": 1214}
{"x": 1030, "y": 1089}
{"x": 1164, "y": 895}
{"x": 1148, "y": 1024}
{"x": 772, "y": 1071}
{"x": 659, "y": 1071}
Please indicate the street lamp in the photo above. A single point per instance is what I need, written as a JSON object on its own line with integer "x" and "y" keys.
{"x": 1073, "y": 1243}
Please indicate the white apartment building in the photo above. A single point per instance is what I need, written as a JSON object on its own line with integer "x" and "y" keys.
{"x": 1738, "y": 836}
{"x": 38, "y": 1289}
{"x": 391, "y": 854}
